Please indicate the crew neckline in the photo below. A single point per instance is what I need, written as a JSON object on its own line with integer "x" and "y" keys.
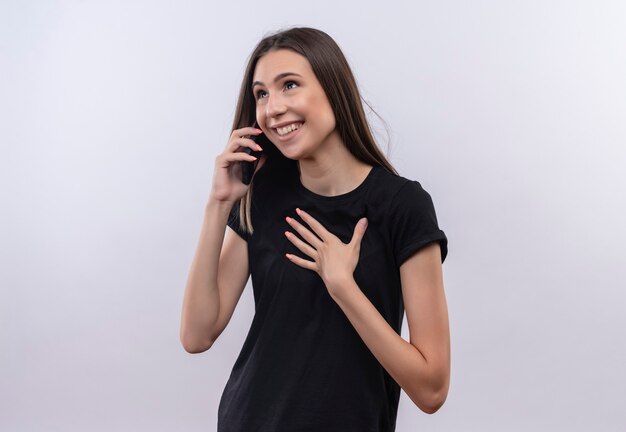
{"x": 342, "y": 196}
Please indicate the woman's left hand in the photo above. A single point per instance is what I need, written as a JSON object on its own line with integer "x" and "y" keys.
{"x": 333, "y": 260}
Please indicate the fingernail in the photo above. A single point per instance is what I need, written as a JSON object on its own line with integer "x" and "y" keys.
{"x": 259, "y": 147}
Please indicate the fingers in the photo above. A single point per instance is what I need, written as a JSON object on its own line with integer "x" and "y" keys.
{"x": 238, "y": 133}
{"x": 244, "y": 138}
{"x": 229, "y": 157}
{"x": 313, "y": 223}
{"x": 304, "y": 232}
{"x": 302, "y": 262}
{"x": 236, "y": 143}
{"x": 359, "y": 231}
{"x": 304, "y": 247}
{"x": 238, "y": 140}
{"x": 240, "y": 156}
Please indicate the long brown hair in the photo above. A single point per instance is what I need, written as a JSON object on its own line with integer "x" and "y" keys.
{"x": 335, "y": 76}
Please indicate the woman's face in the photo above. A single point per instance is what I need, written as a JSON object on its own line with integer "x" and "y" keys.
{"x": 294, "y": 98}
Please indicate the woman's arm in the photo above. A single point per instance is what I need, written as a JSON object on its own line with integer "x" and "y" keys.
{"x": 201, "y": 303}
{"x": 421, "y": 367}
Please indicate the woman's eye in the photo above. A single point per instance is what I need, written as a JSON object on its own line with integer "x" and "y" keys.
{"x": 260, "y": 92}
{"x": 292, "y": 82}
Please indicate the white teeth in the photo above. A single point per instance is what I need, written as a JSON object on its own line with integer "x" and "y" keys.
{"x": 285, "y": 130}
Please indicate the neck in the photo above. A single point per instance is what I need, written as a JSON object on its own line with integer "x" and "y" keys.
{"x": 332, "y": 172}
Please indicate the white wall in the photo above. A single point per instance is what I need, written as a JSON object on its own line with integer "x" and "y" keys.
{"x": 511, "y": 114}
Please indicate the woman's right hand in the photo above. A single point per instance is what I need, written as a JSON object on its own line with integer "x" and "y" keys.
{"x": 227, "y": 185}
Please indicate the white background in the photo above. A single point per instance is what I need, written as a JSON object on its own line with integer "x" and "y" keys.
{"x": 512, "y": 115}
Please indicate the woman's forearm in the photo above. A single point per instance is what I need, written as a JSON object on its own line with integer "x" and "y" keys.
{"x": 201, "y": 301}
{"x": 403, "y": 361}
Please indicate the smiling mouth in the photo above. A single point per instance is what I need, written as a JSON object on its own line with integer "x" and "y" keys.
{"x": 288, "y": 127}
{"x": 290, "y": 133}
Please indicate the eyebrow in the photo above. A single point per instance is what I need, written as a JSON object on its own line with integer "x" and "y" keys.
{"x": 278, "y": 77}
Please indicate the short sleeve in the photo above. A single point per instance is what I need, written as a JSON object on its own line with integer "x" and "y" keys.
{"x": 233, "y": 222}
{"x": 413, "y": 222}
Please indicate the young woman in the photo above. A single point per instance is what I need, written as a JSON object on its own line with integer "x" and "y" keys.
{"x": 338, "y": 244}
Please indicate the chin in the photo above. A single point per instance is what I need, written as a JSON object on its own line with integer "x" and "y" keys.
{"x": 292, "y": 156}
{"x": 290, "y": 151}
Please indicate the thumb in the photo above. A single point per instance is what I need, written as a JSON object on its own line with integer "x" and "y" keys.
{"x": 359, "y": 230}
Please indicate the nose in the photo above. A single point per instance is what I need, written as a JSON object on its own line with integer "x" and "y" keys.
{"x": 274, "y": 106}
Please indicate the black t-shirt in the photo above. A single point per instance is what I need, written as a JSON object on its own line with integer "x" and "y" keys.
{"x": 303, "y": 366}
